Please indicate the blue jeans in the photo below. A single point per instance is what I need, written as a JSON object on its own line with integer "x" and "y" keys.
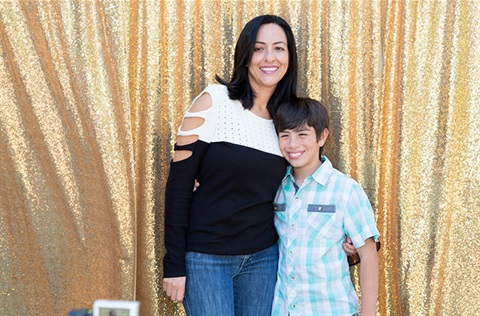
{"x": 231, "y": 285}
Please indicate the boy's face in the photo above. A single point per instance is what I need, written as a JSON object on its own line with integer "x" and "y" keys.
{"x": 301, "y": 148}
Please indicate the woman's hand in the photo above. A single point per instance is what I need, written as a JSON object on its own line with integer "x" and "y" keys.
{"x": 349, "y": 247}
{"x": 175, "y": 288}
{"x": 195, "y": 185}
{"x": 352, "y": 254}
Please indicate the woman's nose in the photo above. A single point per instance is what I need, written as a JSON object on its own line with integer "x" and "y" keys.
{"x": 269, "y": 56}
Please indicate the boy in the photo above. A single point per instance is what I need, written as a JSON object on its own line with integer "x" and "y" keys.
{"x": 316, "y": 208}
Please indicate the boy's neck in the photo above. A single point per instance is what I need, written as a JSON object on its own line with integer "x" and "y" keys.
{"x": 300, "y": 174}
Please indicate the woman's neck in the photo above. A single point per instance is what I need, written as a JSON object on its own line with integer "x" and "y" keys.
{"x": 260, "y": 102}
{"x": 261, "y": 111}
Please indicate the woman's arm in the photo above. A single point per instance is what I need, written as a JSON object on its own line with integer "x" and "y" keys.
{"x": 178, "y": 194}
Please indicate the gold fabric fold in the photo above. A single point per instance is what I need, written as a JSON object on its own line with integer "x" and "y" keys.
{"x": 427, "y": 190}
{"x": 68, "y": 230}
{"x": 92, "y": 93}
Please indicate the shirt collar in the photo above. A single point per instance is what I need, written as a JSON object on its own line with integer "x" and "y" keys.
{"x": 288, "y": 173}
{"x": 323, "y": 172}
{"x": 320, "y": 175}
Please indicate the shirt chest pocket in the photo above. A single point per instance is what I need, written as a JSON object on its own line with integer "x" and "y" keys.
{"x": 321, "y": 221}
{"x": 280, "y": 218}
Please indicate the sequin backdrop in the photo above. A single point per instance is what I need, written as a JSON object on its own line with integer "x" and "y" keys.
{"x": 92, "y": 92}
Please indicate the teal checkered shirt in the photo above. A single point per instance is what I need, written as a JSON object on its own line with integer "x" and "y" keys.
{"x": 312, "y": 222}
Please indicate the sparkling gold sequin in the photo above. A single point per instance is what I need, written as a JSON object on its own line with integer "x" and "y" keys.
{"x": 92, "y": 92}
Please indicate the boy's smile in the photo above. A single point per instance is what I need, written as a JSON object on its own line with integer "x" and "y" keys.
{"x": 301, "y": 149}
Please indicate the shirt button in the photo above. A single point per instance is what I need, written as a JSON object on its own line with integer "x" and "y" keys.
{"x": 319, "y": 208}
{"x": 292, "y": 278}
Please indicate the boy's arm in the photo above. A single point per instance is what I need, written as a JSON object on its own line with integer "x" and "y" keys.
{"x": 368, "y": 277}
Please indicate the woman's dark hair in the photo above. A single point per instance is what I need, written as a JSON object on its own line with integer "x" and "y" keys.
{"x": 239, "y": 87}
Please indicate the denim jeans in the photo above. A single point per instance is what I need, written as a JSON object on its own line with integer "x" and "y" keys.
{"x": 231, "y": 285}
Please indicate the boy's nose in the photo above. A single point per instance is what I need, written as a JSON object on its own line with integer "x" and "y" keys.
{"x": 293, "y": 142}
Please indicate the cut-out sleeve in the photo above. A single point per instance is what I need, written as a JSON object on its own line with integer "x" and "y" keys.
{"x": 179, "y": 190}
{"x": 196, "y": 131}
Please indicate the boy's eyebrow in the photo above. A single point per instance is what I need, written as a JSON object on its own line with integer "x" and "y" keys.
{"x": 301, "y": 129}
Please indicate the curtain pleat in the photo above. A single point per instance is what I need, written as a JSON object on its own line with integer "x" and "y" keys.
{"x": 67, "y": 192}
{"x": 427, "y": 191}
{"x": 92, "y": 93}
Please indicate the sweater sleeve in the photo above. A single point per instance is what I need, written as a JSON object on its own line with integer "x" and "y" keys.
{"x": 179, "y": 191}
{"x": 178, "y": 194}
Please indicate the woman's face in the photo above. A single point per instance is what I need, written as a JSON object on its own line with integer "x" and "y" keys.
{"x": 269, "y": 61}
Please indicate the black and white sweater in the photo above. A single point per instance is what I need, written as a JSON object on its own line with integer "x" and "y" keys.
{"x": 239, "y": 166}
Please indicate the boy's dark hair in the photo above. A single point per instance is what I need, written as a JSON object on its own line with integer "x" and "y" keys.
{"x": 239, "y": 87}
{"x": 294, "y": 114}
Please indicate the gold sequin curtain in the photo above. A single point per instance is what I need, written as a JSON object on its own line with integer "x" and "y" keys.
{"x": 67, "y": 190}
{"x": 92, "y": 92}
{"x": 427, "y": 179}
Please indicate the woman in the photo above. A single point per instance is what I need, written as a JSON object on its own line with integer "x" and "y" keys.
{"x": 221, "y": 242}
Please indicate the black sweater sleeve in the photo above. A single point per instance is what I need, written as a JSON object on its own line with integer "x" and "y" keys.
{"x": 178, "y": 196}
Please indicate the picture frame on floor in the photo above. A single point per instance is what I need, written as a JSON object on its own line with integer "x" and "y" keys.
{"x": 115, "y": 308}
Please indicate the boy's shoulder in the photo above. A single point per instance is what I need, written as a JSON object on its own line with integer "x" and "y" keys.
{"x": 338, "y": 178}
{"x": 343, "y": 177}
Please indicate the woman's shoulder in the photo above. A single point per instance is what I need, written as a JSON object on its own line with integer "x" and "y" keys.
{"x": 215, "y": 94}
{"x": 217, "y": 89}
{"x": 220, "y": 96}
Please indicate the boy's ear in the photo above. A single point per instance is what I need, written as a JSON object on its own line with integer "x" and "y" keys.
{"x": 323, "y": 137}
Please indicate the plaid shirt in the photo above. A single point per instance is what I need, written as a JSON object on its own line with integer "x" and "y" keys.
{"x": 312, "y": 222}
